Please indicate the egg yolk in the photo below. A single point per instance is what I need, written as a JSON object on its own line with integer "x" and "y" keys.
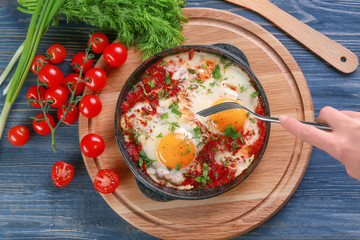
{"x": 176, "y": 151}
{"x": 233, "y": 117}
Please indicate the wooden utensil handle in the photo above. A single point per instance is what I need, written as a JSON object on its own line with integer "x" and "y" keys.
{"x": 335, "y": 54}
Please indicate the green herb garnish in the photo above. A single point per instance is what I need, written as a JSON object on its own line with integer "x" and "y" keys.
{"x": 231, "y": 132}
{"x": 164, "y": 116}
{"x": 254, "y": 94}
{"x": 204, "y": 178}
{"x": 152, "y": 84}
{"x": 178, "y": 166}
{"x": 216, "y": 72}
{"x": 144, "y": 159}
{"x": 167, "y": 78}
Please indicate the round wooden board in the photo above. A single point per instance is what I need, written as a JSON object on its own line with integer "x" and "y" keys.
{"x": 274, "y": 180}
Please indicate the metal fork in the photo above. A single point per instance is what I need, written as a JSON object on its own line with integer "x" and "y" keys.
{"x": 232, "y": 105}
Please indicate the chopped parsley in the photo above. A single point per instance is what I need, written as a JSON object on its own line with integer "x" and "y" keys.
{"x": 226, "y": 64}
{"x": 192, "y": 71}
{"x": 173, "y": 125}
{"x": 212, "y": 84}
{"x": 175, "y": 109}
{"x": 164, "y": 116}
{"x": 169, "y": 168}
{"x": 204, "y": 178}
{"x": 197, "y": 131}
{"x": 135, "y": 135}
{"x": 167, "y": 78}
{"x": 159, "y": 136}
{"x": 144, "y": 159}
{"x": 209, "y": 91}
{"x": 163, "y": 94}
{"x": 163, "y": 63}
{"x": 254, "y": 94}
{"x": 178, "y": 166}
{"x": 204, "y": 66}
{"x": 216, "y": 72}
{"x": 231, "y": 132}
{"x": 252, "y": 120}
{"x": 243, "y": 88}
{"x": 144, "y": 90}
{"x": 152, "y": 84}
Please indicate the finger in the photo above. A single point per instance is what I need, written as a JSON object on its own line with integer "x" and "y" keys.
{"x": 307, "y": 133}
{"x": 334, "y": 118}
{"x": 352, "y": 114}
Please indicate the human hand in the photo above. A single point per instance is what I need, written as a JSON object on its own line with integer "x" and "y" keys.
{"x": 342, "y": 143}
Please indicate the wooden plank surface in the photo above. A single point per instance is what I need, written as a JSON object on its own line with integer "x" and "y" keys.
{"x": 325, "y": 205}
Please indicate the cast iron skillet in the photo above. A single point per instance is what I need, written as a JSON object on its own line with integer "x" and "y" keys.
{"x": 154, "y": 190}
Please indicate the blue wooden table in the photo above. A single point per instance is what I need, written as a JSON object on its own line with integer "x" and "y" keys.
{"x": 326, "y": 204}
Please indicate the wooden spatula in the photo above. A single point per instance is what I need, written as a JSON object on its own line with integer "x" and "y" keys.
{"x": 335, "y": 54}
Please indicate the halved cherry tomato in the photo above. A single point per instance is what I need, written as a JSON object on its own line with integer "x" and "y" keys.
{"x": 32, "y": 95}
{"x": 51, "y": 75}
{"x": 106, "y": 181}
{"x": 90, "y": 106}
{"x": 115, "y": 54}
{"x": 57, "y": 53}
{"x": 77, "y": 62}
{"x": 62, "y": 173}
{"x": 99, "y": 42}
{"x": 57, "y": 94}
{"x": 38, "y": 62}
{"x": 41, "y": 126}
{"x": 70, "y": 83}
{"x": 71, "y": 116}
{"x": 92, "y": 145}
{"x": 18, "y": 135}
{"x": 97, "y": 79}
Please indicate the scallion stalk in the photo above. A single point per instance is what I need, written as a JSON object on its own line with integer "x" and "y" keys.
{"x": 39, "y": 23}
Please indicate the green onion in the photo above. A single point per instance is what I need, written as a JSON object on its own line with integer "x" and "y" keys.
{"x": 39, "y": 23}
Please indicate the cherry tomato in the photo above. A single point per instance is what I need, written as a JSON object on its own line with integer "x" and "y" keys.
{"x": 92, "y": 145}
{"x": 71, "y": 116}
{"x": 62, "y": 173}
{"x": 70, "y": 83}
{"x": 41, "y": 127}
{"x": 106, "y": 181}
{"x": 51, "y": 75}
{"x": 90, "y": 106}
{"x": 18, "y": 135}
{"x": 115, "y": 54}
{"x": 57, "y": 94}
{"x": 38, "y": 62}
{"x": 97, "y": 79}
{"x": 99, "y": 42}
{"x": 77, "y": 62}
{"x": 32, "y": 95}
{"x": 57, "y": 53}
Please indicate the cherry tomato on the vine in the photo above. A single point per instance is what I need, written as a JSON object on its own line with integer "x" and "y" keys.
{"x": 115, "y": 54}
{"x": 71, "y": 116}
{"x": 106, "y": 181}
{"x": 38, "y": 62}
{"x": 41, "y": 127}
{"x": 90, "y": 106}
{"x": 18, "y": 135}
{"x": 62, "y": 173}
{"x": 70, "y": 83}
{"x": 92, "y": 145}
{"x": 57, "y": 53}
{"x": 57, "y": 94}
{"x": 77, "y": 62}
{"x": 51, "y": 75}
{"x": 99, "y": 42}
{"x": 32, "y": 95}
{"x": 95, "y": 79}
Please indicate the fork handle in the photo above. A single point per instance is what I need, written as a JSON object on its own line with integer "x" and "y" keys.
{"x": 317, "y": 125}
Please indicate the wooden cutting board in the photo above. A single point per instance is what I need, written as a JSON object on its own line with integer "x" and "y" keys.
{"x": 274, "y": 180}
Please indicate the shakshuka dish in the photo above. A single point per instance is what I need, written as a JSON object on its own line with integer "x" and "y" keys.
{"x": 176, "y": 147}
